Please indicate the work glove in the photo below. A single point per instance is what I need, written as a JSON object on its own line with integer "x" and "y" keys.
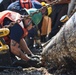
{"x": 34, "y": 62}
{"x": 34, "y": 56}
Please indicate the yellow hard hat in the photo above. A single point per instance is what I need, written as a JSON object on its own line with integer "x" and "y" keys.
{"x": 64, "y": 18}
{"x": 49, "y": 8}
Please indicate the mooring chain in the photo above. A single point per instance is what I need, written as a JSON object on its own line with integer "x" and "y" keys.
{"x": 39, "y": 10}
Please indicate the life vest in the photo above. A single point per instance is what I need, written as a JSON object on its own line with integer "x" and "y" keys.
{"x": 26, "y": 4}
{"x": 46, "y": 25}
{"x": 13, "y": 16}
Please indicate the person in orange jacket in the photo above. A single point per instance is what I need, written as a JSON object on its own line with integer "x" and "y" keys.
{"x": 17, "y": 33}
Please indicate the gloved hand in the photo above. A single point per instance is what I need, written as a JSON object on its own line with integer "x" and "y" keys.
{"x": 34, "y": 56}
{"x": 34, "y": 62}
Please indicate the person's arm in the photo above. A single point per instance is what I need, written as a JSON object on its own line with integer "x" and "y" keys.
{"x": 24, "y": 47}
{"x": 17, "y": 51}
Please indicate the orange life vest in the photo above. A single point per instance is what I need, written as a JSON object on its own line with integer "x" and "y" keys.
{"x": 13, "y": 16}
{"x": 26, "y": 4}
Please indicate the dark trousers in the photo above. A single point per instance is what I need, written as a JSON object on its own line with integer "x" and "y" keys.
{"x": 59, "y": 10}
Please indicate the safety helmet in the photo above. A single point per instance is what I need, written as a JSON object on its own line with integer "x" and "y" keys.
{"x": 49, "y": 9}
{"x": 35, "y": 15}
